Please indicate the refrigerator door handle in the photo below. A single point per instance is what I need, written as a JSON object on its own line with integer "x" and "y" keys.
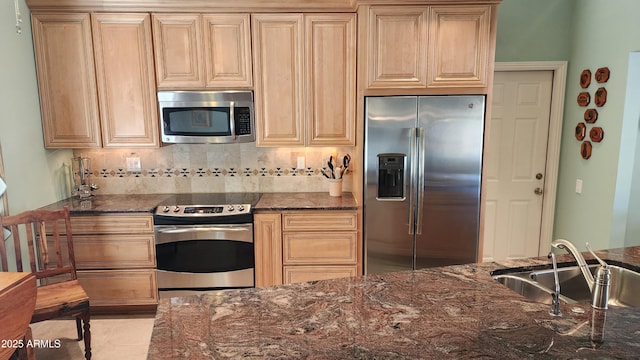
{"x": 420, "y": 188}
{"x": 412, "y": 177}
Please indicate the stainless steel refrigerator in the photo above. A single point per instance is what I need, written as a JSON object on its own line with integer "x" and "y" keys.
{"x": 423, "y": 163}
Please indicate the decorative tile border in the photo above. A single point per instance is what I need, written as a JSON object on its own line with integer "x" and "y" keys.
{"x": 204, "y": 172}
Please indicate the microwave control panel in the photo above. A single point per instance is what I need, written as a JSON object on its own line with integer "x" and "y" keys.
{"x": 242, "y": 119}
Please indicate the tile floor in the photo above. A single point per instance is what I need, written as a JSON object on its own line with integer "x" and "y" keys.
{"x": 111, "y": 338}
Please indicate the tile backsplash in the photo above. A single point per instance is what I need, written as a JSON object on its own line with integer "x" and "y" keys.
{"x": 182, "y": 168}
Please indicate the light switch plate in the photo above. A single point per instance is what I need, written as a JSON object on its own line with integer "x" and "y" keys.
{"x": 133, "y": 164}
{"x": 578, "y": 186}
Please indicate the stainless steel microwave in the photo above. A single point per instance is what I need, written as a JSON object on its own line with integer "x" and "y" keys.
{"x": 206, "y": 117}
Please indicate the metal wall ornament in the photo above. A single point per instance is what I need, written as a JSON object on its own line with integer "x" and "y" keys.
{"x": 585, "y": 78}
{"x": 591, "y": 116}
{"x": 602, "y": 75}
{"x": 596, "y": 134}
{"x": 581, "y": 131}
{"x": 600, "y": 97}
{"x": 585, "y": 149}
{"x": 584, "y": 98}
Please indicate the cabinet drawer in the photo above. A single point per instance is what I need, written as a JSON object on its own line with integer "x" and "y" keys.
{"x": 120, "y": 287}
{"x": 319, "y": 248}
{"x": 320, "y": 220}
{"x": 112, "y": 224}
{"x": 296, "y": 274}
{"x": 114, "y": 252}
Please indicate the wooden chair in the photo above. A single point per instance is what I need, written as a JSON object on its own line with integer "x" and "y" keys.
{"x": 50, "y": 252}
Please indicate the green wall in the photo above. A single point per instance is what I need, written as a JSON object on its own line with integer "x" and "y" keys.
{"x": 34, "y": 175}
{"x": 604, "y": 34}
{"x": 588, "y": 34}
{"x": 534, "y": 30}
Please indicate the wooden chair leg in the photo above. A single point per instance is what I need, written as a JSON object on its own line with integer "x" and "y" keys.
{"x": 26, "y": 352}
{"x": 87, "y": 335}
{"x": 79, "y": 328}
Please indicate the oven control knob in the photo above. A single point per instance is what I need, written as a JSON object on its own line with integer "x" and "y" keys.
{"x": 241, "y": 208}
{"x": 230, "y": 208}
{"x": 176, "y": 209}
{"x": 165, "y": 209}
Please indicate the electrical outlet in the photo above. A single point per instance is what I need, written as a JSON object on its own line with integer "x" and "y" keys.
{"x": 133, "y": 164}
{"x": 301, "y": 162}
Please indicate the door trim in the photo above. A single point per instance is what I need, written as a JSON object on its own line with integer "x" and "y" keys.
{"x": 559, "y": 69}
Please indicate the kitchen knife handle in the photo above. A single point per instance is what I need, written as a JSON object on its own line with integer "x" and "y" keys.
{"x": 420, "y": 145}
{"x": 411, "y": 177}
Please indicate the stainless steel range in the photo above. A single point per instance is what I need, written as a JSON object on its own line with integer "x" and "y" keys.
{"x": 205, "y": 242}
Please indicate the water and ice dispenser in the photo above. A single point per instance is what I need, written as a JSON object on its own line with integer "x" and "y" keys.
{"x": 391, "y": 176}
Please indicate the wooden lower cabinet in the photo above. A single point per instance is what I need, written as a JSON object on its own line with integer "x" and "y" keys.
{"x": 299, "y": 246}
{"x": 120, "y": 288}
{"x": 116, "y": 261}
{"x": 296, "y": 274}
{"x": 116, "y": 252}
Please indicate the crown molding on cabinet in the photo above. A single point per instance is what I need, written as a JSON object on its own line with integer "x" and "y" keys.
{"x": 229, "y": 6}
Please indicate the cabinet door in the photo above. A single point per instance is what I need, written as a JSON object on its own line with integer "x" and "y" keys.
{"x": 178, "y": 50}
{"x": 126, "y": 82}
{"x": 227, "y": 39}
{"x": 459, "y": 46}
{"x": 66, "y": 80}
{"x": 397, "y": 47}
{"x": 267, "y": 231}
{"x": 330, "y": 63}
{"x": 277, "y": 56}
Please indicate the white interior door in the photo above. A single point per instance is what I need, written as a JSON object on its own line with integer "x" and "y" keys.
{"x": 516, "y": 164}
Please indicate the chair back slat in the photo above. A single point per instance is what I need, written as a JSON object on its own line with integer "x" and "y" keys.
{"x": 45, "y": 232}
{"x": 4, "y": 265}
{"x": 32, "y": 256}
{"x": 15, "y": 232}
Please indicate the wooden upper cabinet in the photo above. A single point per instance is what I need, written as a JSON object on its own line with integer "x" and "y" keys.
{"x": 420, "y": 47}
{"x": 397, "y": 47}
{"x": 126, "y": 82}
{"x": 278, "y": 43}
{"x": 195, "y": 51}
{"x": 227, "y": 39}
{"x": 178, "y": 50}
{"x": 331, "y": 78}
{"x": 460, "y": 46}
{"x": 305, "y": 68}
{"x": 66, "y": 80}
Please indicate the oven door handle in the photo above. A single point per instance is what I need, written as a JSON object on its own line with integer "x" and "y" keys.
{"x": 169, "y": 234}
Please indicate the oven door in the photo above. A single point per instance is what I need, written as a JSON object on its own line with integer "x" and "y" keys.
{"x": 204, "y": 257}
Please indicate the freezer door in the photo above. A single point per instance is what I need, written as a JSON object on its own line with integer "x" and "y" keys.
{"x": 448, "y": 211}
{"x": 389, "y": 127}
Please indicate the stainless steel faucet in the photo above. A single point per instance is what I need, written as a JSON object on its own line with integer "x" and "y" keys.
{"x": 555, "y": 301}
{"x": 599, "y": 286}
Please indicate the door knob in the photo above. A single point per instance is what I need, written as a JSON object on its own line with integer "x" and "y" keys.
{"x": 537, "y": 191}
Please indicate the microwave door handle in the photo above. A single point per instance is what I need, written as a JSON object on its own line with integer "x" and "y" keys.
{"x": 232, "y": 119}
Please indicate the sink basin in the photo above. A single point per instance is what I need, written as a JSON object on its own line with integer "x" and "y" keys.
{"x": 537, "y": 285}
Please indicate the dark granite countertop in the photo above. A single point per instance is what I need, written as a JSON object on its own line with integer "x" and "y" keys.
{"x": 306, "y": 201}
{"x": 453, "y": 312}
{"x": 98, "y": 204}
{"x": 147, "y": 203}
